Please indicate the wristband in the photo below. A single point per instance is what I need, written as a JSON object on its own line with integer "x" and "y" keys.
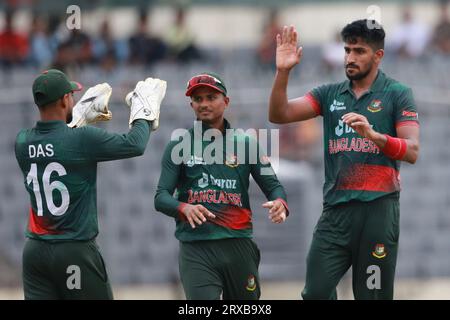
{"x": 395, "y": 148}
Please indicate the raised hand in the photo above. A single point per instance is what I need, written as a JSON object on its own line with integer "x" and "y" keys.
{"x": 145, "y": 100}
{"x": 288, "y": 55}
{"x": 92, "y": 107}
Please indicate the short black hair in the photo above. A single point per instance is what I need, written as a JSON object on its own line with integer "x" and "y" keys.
{"x": 370, "y": 31}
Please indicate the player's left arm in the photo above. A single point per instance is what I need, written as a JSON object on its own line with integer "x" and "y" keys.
{"x": 101, "y": 145}
{"x": 410, "y": 134}
{"x": 170, "y": 177}
{"x": 404, "y": 147}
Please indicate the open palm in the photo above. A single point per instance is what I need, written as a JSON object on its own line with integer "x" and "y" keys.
{"x": 288, "y": 55}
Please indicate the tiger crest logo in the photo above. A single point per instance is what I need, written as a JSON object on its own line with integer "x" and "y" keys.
{"x": 375, "y": 106}
{"x": 231, "y": 161}
{"x": 379, "y": 251}
{"x": 251, "y": 283}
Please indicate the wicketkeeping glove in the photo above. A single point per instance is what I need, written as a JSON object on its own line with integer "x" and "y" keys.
{"x": 92, "y": 107}
{"x": 145, "y": 101}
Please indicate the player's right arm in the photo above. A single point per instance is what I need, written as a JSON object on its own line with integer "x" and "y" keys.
{"x": 282, "y": 110}
{"x": 164, "y": 200}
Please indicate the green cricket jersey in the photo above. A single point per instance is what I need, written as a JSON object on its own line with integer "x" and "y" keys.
{"x": 59, "y": 165}
{"x": 221, "y": 187}
{"x": 355, "y": 168}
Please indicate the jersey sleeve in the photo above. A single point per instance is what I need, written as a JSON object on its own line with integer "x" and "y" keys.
{"x": 405, "y": 109}
{"x": 317, "y": 97}
{"x": 168, "y": 181}
{"x": 264, "y": 175}
{"x": 101, "y": 145}
{"x": 18, "y": 147}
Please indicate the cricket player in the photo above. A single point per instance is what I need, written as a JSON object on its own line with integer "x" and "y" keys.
{"x": 58, "y": 158}
{"x": 370, "y": 124}
{"x": 211, "y": 205}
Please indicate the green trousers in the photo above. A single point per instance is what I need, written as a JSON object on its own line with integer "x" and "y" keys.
{"x": 363, "y": 235}
{"x": 64, "y": 270}
{"x": 226, "y": 268}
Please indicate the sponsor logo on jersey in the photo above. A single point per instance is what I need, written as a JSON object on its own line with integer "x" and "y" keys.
{"x": 203, "y": 182}
{"x": 207, "y": 180}
{"x": 341, "y": 128}
{"x": 195, "y": 160}
{"x": 379, "y": 251}
{"x": 411, "y": 114}
{"x": 251, "y": 283}
{"x": 375, "y": 106}
{"x": 336, "y": 105}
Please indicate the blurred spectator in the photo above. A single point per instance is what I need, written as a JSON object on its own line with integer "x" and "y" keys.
{"x": 180, "y": 40}
{"x": 333, "y": 54}
{"x": 81, "y": 46}
{"x": 411, "y": 37}
{"x": 41, "y": 54}
{"x": 441, "y": 34}
{"x": 64, "y": 58}
{"x": 57, "y": 32}
{"x": 144, "y": 47}
{"x": 13, "y": 45}
{"x": 104, "y": 48}
{"x": 268, "y": 43}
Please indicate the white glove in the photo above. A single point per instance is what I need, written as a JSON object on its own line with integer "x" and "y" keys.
{"x": 92, "y": 107}
{"x": 145, "y": 100}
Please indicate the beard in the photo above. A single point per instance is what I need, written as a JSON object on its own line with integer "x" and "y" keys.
{"x": 358, "y": 75}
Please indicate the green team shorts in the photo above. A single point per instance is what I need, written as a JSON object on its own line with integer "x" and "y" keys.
{"x": 363, "y": 235}
{"x": 227, "y": 267}
{"x": 64, "y": 270}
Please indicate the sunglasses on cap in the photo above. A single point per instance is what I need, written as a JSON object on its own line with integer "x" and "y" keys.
{"x": 207, "y": 81}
